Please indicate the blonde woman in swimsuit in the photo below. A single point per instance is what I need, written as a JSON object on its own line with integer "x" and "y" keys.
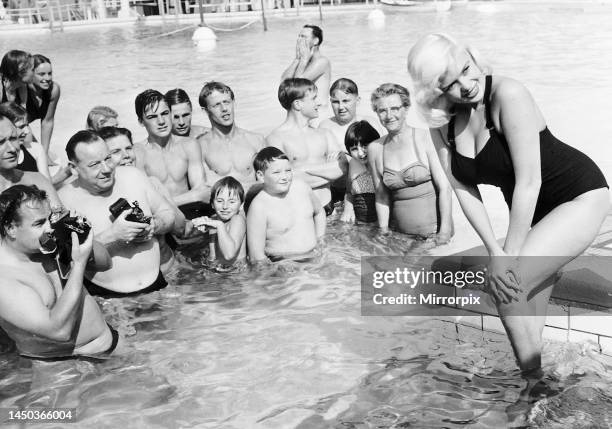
{"x": 412, "y": 192}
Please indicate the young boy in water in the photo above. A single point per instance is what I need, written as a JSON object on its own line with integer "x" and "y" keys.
{"x": 226, "y": 198}
{"x": 285, "y": 220}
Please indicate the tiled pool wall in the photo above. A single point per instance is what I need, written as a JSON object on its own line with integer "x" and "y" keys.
{"x": 564, "y": 322}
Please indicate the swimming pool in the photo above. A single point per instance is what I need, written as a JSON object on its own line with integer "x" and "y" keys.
{"x": 288, "y": 348}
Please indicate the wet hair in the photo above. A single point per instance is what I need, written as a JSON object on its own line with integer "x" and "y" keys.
{"x": 83, "y": 136}
{"x": 4, "y": 117}
{"x": 149, "y": 98}
{"x": 106, "y": 133}
{"x": 345, "y": 85}
{"x": 316, "y": 32}
{"x": 294, "y": 88}
{"x": 14, "y": 64}
{"x": 428, "y": 61}
{"x": 12, "y": 199}
{"x": 13, "y": 112}
{"x": 208, "y": 89}
{"x": 232, "y": 185}
{"x": 387, "y": 89}
{"x": 360, "y": 133}
{"x": 40, "y": 59}
{"x": 266, "y": 156}
{"x": 99, "y": 112}
{"x": 177, "y": 96}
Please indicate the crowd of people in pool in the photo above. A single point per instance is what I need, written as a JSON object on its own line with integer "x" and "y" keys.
{"x": 107, "y": 223}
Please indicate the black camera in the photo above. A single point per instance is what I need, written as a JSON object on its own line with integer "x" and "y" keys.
{"x": 63, "y": 226}
{"x": 135, "y": 212}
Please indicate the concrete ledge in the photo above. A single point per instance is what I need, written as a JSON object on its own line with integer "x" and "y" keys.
{"x": 581, "y": 304}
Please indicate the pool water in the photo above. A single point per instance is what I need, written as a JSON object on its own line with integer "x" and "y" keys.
{"x": 287, "y": 347}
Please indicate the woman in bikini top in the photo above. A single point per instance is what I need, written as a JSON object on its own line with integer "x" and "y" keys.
{"x": 408, "y": 177}
{"x": 16, "y": 73}
{"x": 490, "y": 130}
{"x": 43, "y": 96}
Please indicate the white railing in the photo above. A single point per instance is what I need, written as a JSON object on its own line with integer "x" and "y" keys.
{"x": 52, "y": 13}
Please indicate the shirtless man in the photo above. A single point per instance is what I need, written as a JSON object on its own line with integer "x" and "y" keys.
{"x": 99, "y": 184}
{"x": 227, "y": 150}
{"x": 309, "y": 63}
{"x": 285, "y": 220}
{"x": 313, "y": 152}
{"x": 119, "y": 141}
{"x": 344, "y": 97}
{"x": 181, "y": 111}
{"x": 9, "y": 158}
{"x": 47, "y": 316}
{"x": 176, "y": 162}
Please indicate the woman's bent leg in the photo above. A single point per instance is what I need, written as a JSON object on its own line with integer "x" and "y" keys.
{"x": 558, "y": 238}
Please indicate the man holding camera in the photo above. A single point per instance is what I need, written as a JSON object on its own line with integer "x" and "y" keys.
{"x": 47, "y": 314}
{"x": 126, "y": 227}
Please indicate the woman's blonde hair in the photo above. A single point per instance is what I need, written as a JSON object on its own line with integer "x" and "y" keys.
{"x": 428, "y": 61}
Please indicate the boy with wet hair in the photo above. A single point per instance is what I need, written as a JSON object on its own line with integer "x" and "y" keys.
{"x": 313, "y": 152}
{"x": 181, "y": 109}
{"x": 176, "y": 162}
{"x": 285, "y": 219}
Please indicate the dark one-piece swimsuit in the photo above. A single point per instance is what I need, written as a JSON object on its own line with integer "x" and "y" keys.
{"x": 566, "y": 172}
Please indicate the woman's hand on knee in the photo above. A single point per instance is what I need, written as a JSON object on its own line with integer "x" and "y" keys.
{"x": 504, "y": 279}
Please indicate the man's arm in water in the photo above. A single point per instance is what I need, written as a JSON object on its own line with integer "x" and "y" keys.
{"x": 22, "y": 306}
{"x": 320, "y": 219}
{"x": 199, "y": 191}
{"x": 335, "y": 166}
{"x": 256, "y": 231}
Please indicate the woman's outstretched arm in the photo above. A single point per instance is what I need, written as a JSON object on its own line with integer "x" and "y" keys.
{"x": 440, "y": 181}
{"x": 505, "y": 288}
{"x": 520, "y": 122}
{"x": 375, "y": 162}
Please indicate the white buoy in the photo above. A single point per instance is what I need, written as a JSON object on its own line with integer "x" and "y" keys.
{"x": 376, "y": 19}
{"x": 204, "y": 37}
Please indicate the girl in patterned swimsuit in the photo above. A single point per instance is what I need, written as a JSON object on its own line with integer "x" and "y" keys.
{"x": 359, "y": 198}
{"x": 488, "y": 129}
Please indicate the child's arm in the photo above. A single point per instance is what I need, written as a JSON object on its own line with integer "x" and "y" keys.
{"x": 230, "y": 241}
{"x": 256, "y": 232}
{"x": 348, "y": 214}
{"x": 320, "y": 220}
